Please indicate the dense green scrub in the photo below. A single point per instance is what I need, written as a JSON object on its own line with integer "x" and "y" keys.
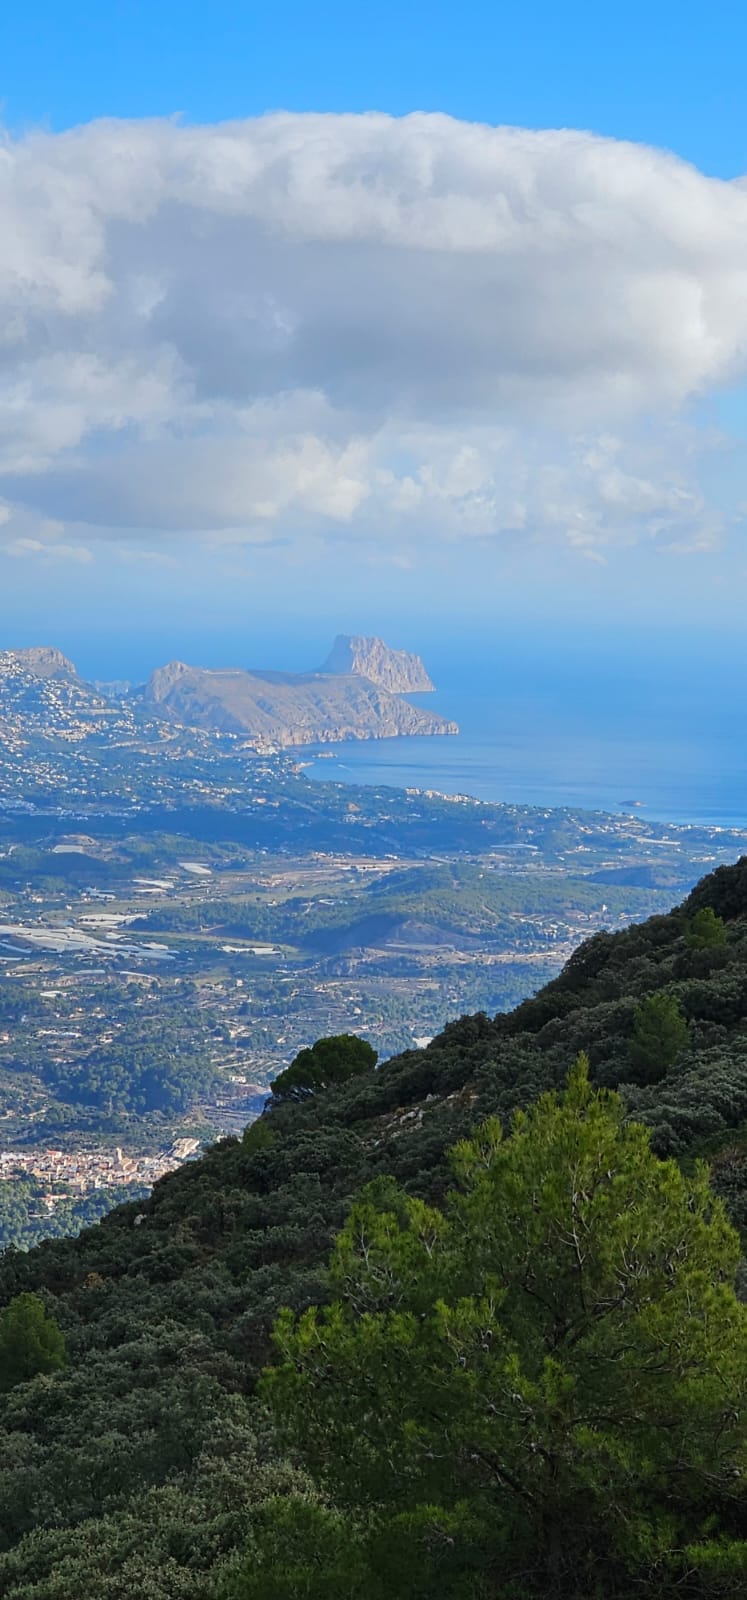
{"x": 145, "y": 1464}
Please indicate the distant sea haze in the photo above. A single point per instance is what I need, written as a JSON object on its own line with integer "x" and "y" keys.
{"x": 658, "y": 727}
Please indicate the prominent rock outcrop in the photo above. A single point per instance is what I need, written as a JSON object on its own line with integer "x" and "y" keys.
{"x": 285, "y": 709}
{"x": 42, "y": 661}
{"x": 41, "y": 690}
{"x": 395, "y": 670}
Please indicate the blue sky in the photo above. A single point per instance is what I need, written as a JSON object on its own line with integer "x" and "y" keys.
{"x": 381, "y": 368}
{"x": 667, "y": 73}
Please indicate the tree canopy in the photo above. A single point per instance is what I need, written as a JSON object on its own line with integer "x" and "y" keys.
{"x": 660, "y": 1034}
{"x": 325, "y": 1064}
{"x": 30, "y": 1341}
{"x": 539, "y": 1389}
{"x": 707, "y": 931}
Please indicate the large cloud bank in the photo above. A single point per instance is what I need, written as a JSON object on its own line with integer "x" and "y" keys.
{"x": 359, "y": 327}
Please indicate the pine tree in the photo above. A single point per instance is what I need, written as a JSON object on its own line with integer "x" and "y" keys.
{"x": 325, "y": 1064}
{"x": 706, "y": 930}
{"x": 660, "y": 1034}
{"x": 30, "y": 1342}
{"x": 540, "y": 1390}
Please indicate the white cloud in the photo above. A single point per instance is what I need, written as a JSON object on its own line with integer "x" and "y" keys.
{"x": 362, "y": 327}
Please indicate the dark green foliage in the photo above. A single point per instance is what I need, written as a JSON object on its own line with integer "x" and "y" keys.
{"x": 724, "y": 890}
{"x": 303, "y": 1549}
{"x": 659, "y": 1036}
{"x": 155, "y": 1540}
{"x": 706, "y": 931}
{"x": 144, "y": 1463}
{"x": 300, "y": 1550}
{"x": 325, "y": 1065}
{"x": 557, "y": 1359}
{"x": 258, "y": 1136}
{"x": 31, "y": 1342}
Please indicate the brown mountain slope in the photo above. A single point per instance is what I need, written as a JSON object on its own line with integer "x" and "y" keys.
{"x": 284, "y": 709}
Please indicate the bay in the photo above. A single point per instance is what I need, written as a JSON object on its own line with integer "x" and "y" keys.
{"x": 606, "y": 722}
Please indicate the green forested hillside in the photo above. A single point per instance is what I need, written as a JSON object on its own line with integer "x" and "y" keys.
{"x": 458, "y": 897}
{"x": 141, "y": 1466}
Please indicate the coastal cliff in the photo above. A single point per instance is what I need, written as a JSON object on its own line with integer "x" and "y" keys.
{"x": 286, "y": 709}
{"x": 395, "y": 670}
{"x": 39, "y": 687}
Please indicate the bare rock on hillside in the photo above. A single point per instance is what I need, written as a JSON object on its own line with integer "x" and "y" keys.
{"x": 43, "y": 661}
{"x": 395, "y": 670}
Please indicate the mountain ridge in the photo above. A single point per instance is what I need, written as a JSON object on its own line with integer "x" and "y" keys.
{"x": 285, "y": 709}
{"x": 270, "y": 709}
{"x": 167, "y": 1304}
{"x": 42, "y": 661}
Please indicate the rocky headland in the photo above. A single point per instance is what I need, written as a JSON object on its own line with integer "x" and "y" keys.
{"x": 358, "y": 695}
{"x": 286, "y": 709}
{"x": 395, "y": 670}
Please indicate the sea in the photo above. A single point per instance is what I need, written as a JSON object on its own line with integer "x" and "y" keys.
{"x": 551, "y": 713}
{"x": 610, "y": 721}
